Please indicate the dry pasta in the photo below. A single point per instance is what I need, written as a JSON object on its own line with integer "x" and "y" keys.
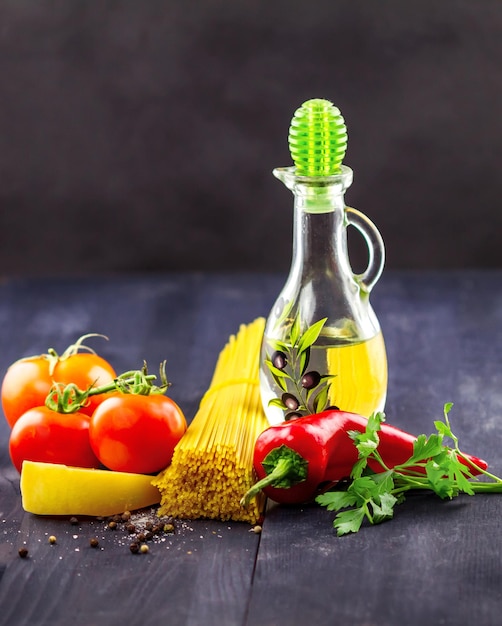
{"x": 212, "y": 465}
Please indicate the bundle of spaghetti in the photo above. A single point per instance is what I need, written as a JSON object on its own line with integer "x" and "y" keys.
{"x": 212, "y": 465}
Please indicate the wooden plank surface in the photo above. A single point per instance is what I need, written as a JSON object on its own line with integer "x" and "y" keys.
{"x": 435, "y": 563}
{"x": 202, "y": 571}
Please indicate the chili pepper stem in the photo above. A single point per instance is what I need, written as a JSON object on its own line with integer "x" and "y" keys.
{"x": 279, "y": 473}
{"x": 284, "y": 467}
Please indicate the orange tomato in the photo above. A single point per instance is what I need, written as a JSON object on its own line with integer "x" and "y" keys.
{"x": 28, "y": 381}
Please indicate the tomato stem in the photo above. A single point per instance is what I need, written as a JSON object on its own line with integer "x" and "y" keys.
{"x": 53, "y": 357}
{"x": 69, "y": 398}
{"x": 72, "y": 349}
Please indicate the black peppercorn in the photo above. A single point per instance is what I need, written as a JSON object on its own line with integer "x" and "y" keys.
{"x": 134, "y": 548}
{"x": 23, "y": 552}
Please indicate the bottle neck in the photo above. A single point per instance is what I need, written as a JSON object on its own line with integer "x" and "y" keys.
{"x": 319, "y": 243}
{"x": 319, "y": 229}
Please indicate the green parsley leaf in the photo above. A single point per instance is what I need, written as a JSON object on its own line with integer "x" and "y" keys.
{"x": 426, "y": 447}
{"x": 364, "y": 488}
{"x": 384, "y": 481}
{"x": 348, "y": 521}
{"x": 359, "y": 467}
{"x": 336, "y": 500}
{"x": 458, "y": 474}
{"x": 384, "y": 509}
{"x": 443, "y": 429}
{"x": 439, "y": 482}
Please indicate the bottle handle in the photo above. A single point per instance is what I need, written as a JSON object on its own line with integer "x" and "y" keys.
{"x": 376, "y": 248}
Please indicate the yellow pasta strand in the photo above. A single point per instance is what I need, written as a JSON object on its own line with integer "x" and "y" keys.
{"x": 212, "y": 465}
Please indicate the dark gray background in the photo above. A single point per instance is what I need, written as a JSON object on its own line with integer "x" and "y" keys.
{"x": 141, "y": 135}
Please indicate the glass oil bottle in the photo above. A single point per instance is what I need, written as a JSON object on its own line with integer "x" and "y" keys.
{"x": 323, "y": 345}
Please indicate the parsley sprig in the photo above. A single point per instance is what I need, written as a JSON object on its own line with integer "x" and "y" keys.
{"x": 433, "y": 466}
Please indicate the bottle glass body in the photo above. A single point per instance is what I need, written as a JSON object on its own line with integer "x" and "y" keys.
{"x": 349, "y": 353}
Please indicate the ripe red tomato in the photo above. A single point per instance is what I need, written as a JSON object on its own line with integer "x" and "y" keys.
{"x": 28, "y": 381}
{"x": 44, "y": 435}
{"x": 136, "y": 433}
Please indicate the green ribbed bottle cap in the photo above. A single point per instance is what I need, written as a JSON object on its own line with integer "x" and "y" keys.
{"x": 317, "y": 138}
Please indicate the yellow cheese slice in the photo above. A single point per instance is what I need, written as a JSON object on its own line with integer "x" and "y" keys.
{"x": 52, "y": 489}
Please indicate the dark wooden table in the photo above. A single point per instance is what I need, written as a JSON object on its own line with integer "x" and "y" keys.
{"x": 435, "y": 563}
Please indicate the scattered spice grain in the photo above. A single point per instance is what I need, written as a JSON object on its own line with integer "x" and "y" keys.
{"x": 52, "y": 540}
{"x": 23, "y": 552}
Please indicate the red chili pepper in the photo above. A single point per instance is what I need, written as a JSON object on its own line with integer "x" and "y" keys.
{"x": 298, "y": 459}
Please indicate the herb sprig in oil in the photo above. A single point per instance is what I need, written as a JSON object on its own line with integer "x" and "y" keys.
{"x": 304, "y": 391}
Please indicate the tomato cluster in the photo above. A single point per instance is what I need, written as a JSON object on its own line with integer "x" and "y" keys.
{"x": 127, "y": 432}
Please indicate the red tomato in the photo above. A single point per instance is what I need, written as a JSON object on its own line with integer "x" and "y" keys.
{"x": 28, "y": 381}
{"x": 44, "y": 435}
{"x": 136, "y": 433}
